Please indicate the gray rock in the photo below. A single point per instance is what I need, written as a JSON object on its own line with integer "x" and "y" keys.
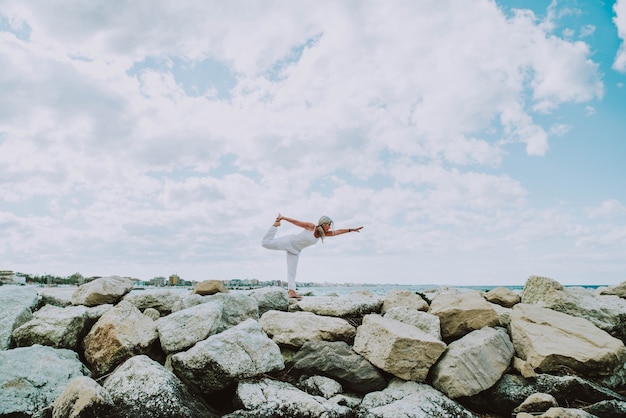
{"x": 236, "y": 308}
{"x": 16, "y": 305}
{"x": 103, "y": 290}
{"x": 607, "y": 409}
{"x": 180, "y": 330}
{"x": 321, "y": 386}
{"x": 57, "y": 296}
{"x": 152, "y": 313}
{"x": 293, "y": 329}
{"x": 503, "y": 296}
{"x": 270, "y": 398}
{"x": 473, "y": 363}
{"x": 141, "y": 387}
{"x": 557, "y": 412}
{"x": 404, "y": 399}
{"x": 187, "y": 302}
{"x": 221, "y": 360}
{"x": 338, "y": 361}
{"x": 83, "y": 397}
{"x": 122, "y": 332}
{"x": 424, "y": 321}
{"x": 270, "y": 299}
{"x": 617, "y": 290}
{"x": 163, "y": 300}
{"x": 355, "y": 304}
{"x": 403, "y": 298}
{"x": 397, "y": 348}
{"x": 31, "y": 378}
{"x": 537, "y": 402}
{"x": 53, "y": 326}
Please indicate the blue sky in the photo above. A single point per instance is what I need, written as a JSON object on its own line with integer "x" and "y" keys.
{"x": 477, "y": 142}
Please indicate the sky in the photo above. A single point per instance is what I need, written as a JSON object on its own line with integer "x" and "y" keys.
{"x": 477, "y": 142}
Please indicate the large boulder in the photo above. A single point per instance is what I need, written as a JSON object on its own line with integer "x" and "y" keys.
{"x": 337, "y": 360}
{"x": 16, "y": 305}
{"x": 57, "y": 296}
{"x": 163, "y": 300}
{"x": 141, "y": 387}
{"x": 397, "y": 348}
{"x": 548, "y": 341}
{"x": 180, "y": 330}
{"x": 83, "y": 397}
{"x": 473, "y": 363}
{"x": 424, "y": 321}
{"x": 101, "y": 291}
{"x": 221, "y": 360}
{"x": 31, "y": 378}
{"x": 463, "y": 313}
{"x": 503, "y": 296}
{"x": 293, "y": 329}
{"x": 270, "y": 299}
{"x": 605, "y": 312}
{"x": 403, "y": 298}
{"x": 54, "y": 326}
{"x": 236, "y": 308}
{"x": 271, "y": 398}
{"x": 616, "y": 290}
{"x": 209, "y": 287}
{"x": 410, "y": 399}
{"x": 122, "y": 332}
{"x": 355, "y": 304}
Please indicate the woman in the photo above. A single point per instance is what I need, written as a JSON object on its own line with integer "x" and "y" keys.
{"x": 293, "y": 244}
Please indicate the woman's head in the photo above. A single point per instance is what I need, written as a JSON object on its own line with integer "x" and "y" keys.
{"x": 323, "y": 226}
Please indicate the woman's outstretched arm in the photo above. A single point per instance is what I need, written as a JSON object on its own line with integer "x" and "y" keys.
{"x": 306, "y": 225}
{"x": 343, "y": 231}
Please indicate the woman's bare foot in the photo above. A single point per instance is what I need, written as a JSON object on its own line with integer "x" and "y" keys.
{"x": 277, "y": 221}
{"x": 294, "y": 295}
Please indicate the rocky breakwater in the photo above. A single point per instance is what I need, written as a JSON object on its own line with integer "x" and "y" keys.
{"x": 102, "y": 350}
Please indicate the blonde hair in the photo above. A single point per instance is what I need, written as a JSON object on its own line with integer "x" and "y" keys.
{"x": 320, "y": 226}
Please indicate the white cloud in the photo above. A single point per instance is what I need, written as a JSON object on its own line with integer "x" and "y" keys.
{"x": 393, "y": 115}
{"x": 607, "y": 209}
{"x": 620, "y": 22}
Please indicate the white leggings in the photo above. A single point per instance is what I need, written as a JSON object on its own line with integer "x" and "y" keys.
{"x": 283, "y": 244}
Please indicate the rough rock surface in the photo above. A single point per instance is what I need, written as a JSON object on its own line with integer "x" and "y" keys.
{"x": 548, "y": 340}
{"x": 103, "y": 290}
{"x": 180, "y": 330}
{"x": 16, "y": 305}
{"x": 221, "y": 360}
{"x": 410, "y": 399}
{"x": 473, "y": 363}
{"x": 53, "y": 326}
{"x": 31, "y": 378}
{"x": 397, "y": 348}
{"x": 270, "y": 299}
{"x": 537, "y": 402}
{"x": 424, "y": 321}
{"x": 122, "y": 332}
{"x": 403, "y": 298}
{"x": 209, "y": 287}
{"x": 345, "y": 306}
{"x": 463, "y": 313}
{"x": 338, "y": 361}
{"x": 293, "y": 329}
{"x": 162, "y": 300}
{"x": 83, "y": 397}
{"x": 503, "y": 297}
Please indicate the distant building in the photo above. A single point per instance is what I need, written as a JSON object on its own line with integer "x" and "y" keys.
{"x": 174, "y": 280}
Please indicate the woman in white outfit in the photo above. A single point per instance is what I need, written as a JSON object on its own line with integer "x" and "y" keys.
{"x": 294, "y": 243}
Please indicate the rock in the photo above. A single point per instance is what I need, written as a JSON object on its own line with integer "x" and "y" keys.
{"x": 338, "y": 361}
{"x": 473, "y": 363}
{"x": 16, "y": 305}
{"x": 403, "y": 298}
{"x": 321, "y": 386}
{"x": 510, "y": 391}
{"x": 566, "y": 413}
{"x": 236, "y": 308}
{"x": 103, "y": 290}
{"x": 617, "y": 290}
{"x": 607, "y": 409}
{"x": 221, "y": 360}
{"x": 180, "y": 330}
{"x": 122, "y": 332}
{"x": 141, "y": 387}
{"x": 270, "y": 299}
{"x": 188, "y": 301}
{"x": 83, "y": 397}
{"x": 605, "y": 312}
{"x": 271, "y": 398}
{"x": 548, "y": 340}
{"x": 57, "y": 296}
{"x": 504, "y": 314}
{"x": 54, "y": 326}
{"x": 503, "y": 297}
{"x": 424, "y": 321}
{"x": 410, "y": 399}
{"x": 209, "y": 287}
{"x": 462, "y": 313}
{"x": 162, "y": 300}
{"x": 355, "y": 304}
{"x": 152, "y": 313}
{"x": 397, "y": 348}
{"x": 293, "y": 329}
{"x": 31, "y": 378}
{"x": 537, "y": 402}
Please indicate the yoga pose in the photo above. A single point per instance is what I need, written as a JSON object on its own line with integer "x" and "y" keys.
{"x": 293, "y": 244}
